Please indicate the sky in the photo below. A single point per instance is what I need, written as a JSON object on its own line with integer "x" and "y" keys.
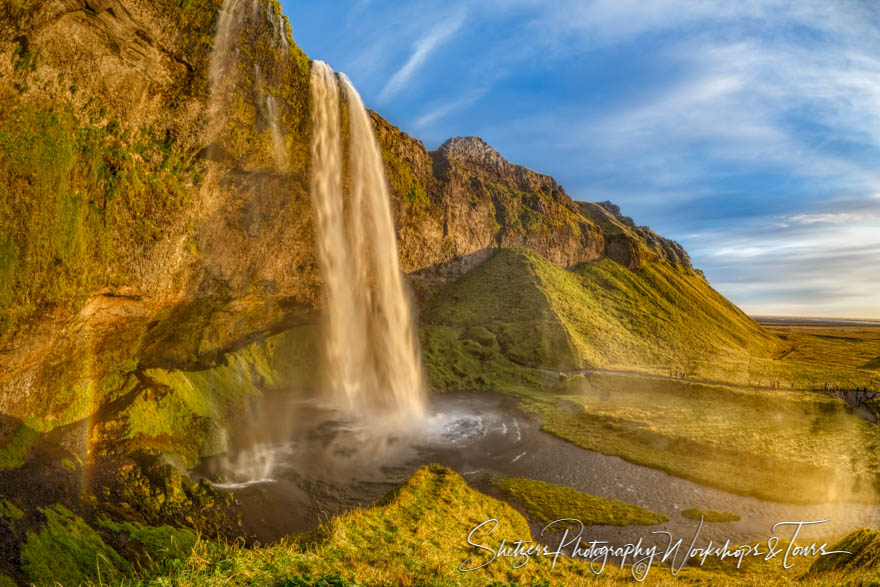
{"x": 748, "y": 131}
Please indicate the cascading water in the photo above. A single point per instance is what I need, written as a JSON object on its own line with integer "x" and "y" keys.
{"x": 222, "y": 56}
{"x": 225, "y": 56}
{"x": 371, "y": 355}
{"x": 372, "y": 358}
{"x": 277, "y": 138}
{"x": 237, "y": 19}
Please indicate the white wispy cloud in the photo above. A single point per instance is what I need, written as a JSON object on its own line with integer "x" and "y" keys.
{"x": 421, "y": 51}
{"x": 818, "y": 264}
{"x": 444, "y": 108}
{"x": 838, "y": 218}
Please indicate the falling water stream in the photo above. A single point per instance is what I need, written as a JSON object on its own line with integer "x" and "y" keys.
{"x": 372, "y": 359}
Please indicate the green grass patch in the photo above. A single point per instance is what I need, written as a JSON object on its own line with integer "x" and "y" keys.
{"x": 709, "y": 515}
{"x": 184, "y": 410}
{"x": 9, "y": 511}
{"x": 470, "y": 359}
{"x": 67, "y": 551}
{"x": 864, "y": 548}
{"x": 546, "y": 502}
{"x": 162, "y": 547}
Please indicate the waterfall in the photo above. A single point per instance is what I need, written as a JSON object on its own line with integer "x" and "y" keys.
{"x": 222, "y": 54}
{"x": 280, "y": 148}
{"x": 371, "y": 353}
{"x": 233, "y": 15}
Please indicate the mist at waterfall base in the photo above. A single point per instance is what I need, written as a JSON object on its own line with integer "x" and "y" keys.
{"x": 297, "y": 460}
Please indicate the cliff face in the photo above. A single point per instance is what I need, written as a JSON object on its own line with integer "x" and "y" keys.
{"x": 456, "y": 204}
{"x": 147, "y": 222}
{"x": 142, "y": 224}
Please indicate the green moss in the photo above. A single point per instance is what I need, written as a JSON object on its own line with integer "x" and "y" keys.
{"x": 9, "y": 511}
{"x": 16, "y": 451}
{"x": 184, "y": 408}
{"x": 71, "y": 196}
{"x": 8, "y": 268}
{"x": 162, "y": 546}
{"x": 709, "y": 515}
{"x": 166, "y": 416}
{"x": 546, "y": 502}
{"x": 66, "y": 550}
{"x": 74, "y": 403}
{"x": 402, "y": 182}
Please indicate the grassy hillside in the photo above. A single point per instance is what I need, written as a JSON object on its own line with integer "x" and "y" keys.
{"x": 598, "y": 315}
{"x": 521, "y": 325}
{"x": 661, "y": 319}
{"x": 502, "y": 305}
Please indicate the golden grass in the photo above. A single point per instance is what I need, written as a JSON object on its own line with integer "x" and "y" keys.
{"x": 785, "y": 446}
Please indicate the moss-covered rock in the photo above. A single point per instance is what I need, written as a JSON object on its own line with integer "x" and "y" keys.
{"x": 156, "y": 548}
{"x": 68, "y": 551}
{"x": 188, "y": 412}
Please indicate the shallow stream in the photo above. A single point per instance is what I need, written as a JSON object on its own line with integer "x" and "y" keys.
{"x": 297, "y": 463}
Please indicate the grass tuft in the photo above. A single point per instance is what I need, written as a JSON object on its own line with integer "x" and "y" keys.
{"x": 67, "y": 551}
{"x": 546, "y": 502}
{"x": 709, "y": 515}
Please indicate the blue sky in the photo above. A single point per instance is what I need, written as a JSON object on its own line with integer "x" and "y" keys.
{"x": 749, "y": 131}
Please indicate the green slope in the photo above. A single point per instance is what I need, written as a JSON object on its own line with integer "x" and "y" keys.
{"x": 659, "y": 318}
{"x": 503, "y": 299}
{"x": 598, "y": 315}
